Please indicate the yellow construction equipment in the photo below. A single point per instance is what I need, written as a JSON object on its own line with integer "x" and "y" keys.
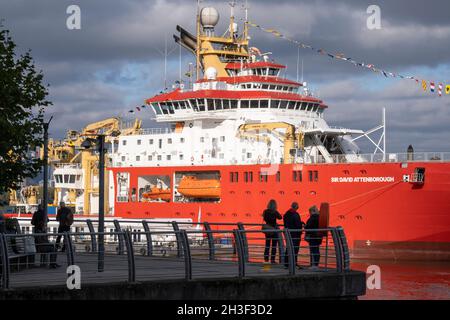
{"x": 290, "y": 138}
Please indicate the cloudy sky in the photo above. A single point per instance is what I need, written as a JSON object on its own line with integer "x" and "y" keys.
{"x": 115, "y": 60}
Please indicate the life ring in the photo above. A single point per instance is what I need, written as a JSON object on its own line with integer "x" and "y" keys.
{"x": 190, "y": 125}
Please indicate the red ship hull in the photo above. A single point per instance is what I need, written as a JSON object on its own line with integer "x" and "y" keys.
{"x": 383, "y": 215}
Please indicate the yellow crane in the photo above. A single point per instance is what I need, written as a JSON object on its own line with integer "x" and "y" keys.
{"x": 290, "y": 138}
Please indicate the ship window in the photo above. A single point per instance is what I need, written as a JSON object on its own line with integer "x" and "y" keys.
{"x": 181, "y": 157}
{"x": 234, "y": 104}
{"x": 278, "y": 178}
{"x": 265, "y": 86}
{"x": 164, "y": 108}
{"x": 222, "y": 138}
{"x": 283, "y": 104}
{"x": 248, "y": 176}
{"x": 274, "y": 104}
{"x": 316, "y": 176}
{"x": 160, "y": 143}
{"x": 254, "y": 104}
{"x": 303, "y": 107}
{"x": 263, "y": 177}
{"x": 169, "y": 140}
{"x": 297, "y": 105}
{"x": 171, "y": 110}
{"x": 78, "y": 177}
{"x": 210, "y": 104}
{"x": 291, "y": 105}
{"x": 72, "y": 178}
{"x": 218, "y": 104}
{"x": 244, "y": 104}
{"x": 150, "y": 141}
{"x": 201, "y": 104}
{"x": 183, "y": 104}
{"x": 66, "y": 178}
{"x": 123, "y": 158}
{"x": 234, "y": 177}
{"x": 159, "y": 158}
{"x": 139, "y": 142}
{"x": 182, "y": 140}
{"x": 249, "y": 155}
{"x": 156, "y": 108}
{"x": 176, "y": 105}
{"x": 297, "y": 176}
{"x": 124, "y": 142}
{"x": 221, "y": 156}
{"x": 168, "y": 157}
{"x": 194, "y": 104}
{"x": 138, "y": 158}
{"x": 150, "y": 158}
{"x": 264, "y": 104}
{"x": 273, "y": 72}
{"x": 202, "y": 139}
{"x": 226, "y": 104}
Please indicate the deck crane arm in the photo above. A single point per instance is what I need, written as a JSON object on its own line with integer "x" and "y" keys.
{"x": 290, "y": 138}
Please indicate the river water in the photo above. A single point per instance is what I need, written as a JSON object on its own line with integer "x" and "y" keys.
{"x": 409, "y": 280}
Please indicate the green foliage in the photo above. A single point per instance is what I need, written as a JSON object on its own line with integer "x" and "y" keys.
{"x": 22, "y": 103}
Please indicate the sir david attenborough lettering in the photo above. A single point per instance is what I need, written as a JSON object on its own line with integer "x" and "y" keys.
{"x": 362, "y": 179}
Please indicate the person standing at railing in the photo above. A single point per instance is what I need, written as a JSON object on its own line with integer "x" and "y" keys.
{"x": 65, "y": 218}
{"x": 270, "y": 216}
{"x": 294, "y": 224}
{"x": 314, "y": 238}
{"x": 43, "y": 245}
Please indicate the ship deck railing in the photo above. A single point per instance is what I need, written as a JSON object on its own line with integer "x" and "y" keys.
{"x": 183, "y": 250}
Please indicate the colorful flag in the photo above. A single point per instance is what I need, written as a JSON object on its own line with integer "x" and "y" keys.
{"x": 424, "y": 85}
{"x": 440, "y": 89}
{"x": 447, "y": 89}
{"x": 138, "y": 109}
{"x": 131, "y": 111}
{"x": 432, "y": 86}
{"x": 385, "y": 74}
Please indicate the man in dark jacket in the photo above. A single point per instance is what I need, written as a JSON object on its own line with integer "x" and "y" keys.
{"x": 314, "y": 238}
{"x": 65, "y": 218}
{"x": 43, "y": 245}
{"x": 292, "y": 221}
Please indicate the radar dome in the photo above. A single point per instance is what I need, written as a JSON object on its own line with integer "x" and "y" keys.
{"x": 211, "y": 73}
{"x": 209, "y": 17}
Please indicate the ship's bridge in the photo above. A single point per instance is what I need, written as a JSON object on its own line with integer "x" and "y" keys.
{"x": 255, "y": 88}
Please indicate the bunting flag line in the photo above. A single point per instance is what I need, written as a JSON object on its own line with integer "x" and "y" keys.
{"x": 424, "y": 85}
{"x": 137, "y": 108}
{"x": 343, "y": 57}
{"x": 440, "y": 89}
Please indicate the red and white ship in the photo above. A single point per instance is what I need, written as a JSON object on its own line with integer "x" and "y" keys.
{"x": 241, "y": 135}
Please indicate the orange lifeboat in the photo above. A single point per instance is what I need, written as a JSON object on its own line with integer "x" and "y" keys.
{"x": 156, "y": 193}
{"x": 192, "y": 187}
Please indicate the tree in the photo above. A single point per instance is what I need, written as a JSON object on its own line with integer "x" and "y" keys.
{"x": 22, "y": 104}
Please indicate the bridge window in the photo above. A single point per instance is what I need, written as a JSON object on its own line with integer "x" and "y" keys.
{"x": 176, "y": 105}
{"x": 156, "y": 108}
{"x": 291, "y": 105}
{"x": 226, "y": 104}
{"x": 274, "y": 104}
{"x": 201, "y": 104}
{"x": 283, "y": 104}
{"x": 193, "y": 104}
{"x": 265, "y": 86}
{"x": 264, "y": 103}
{"x": 304, "y": 105}
{"x": 254, "y": 104}
{"x": 273, "y": 72}
{"x": 210, "y": 104}
{"x": 218, "y": 104}
{"x": 244, "y": 104}
{"x": 234, "y": 104}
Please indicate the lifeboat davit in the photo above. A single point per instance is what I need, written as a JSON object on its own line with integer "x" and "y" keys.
{"x": 192, "y": 187}
{"x": 156, "y": 193}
